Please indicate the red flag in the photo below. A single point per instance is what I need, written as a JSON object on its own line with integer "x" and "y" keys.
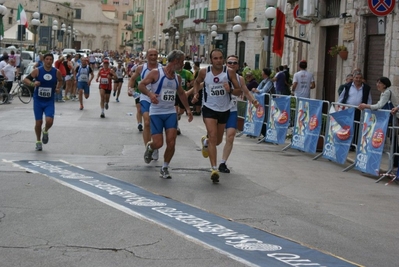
{"x": 279, "y": 31}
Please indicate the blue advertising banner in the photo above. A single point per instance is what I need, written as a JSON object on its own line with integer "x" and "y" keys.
{"x": 339, "y": 135}
{"x": 307, "y": 125}
{"x": 279, "y": 120}
{"x": 371, "y": 143}
{"x": 254, "y": 117}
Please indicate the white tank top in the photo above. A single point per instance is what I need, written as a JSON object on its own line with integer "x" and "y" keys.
{"x": 144, "y": 72}
{"x": 215, "y": 97}
{"x": 166, "y": 89}
{"x": 119, "y": 72}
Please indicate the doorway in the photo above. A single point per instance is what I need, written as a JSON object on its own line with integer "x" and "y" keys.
{"x": 330, "y": 66}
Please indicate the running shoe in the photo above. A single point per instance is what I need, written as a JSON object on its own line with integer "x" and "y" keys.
{"x": 165, "y": 173}
{"x": 114, "y": 93}
{"x": 148, "y": 153}
{"x": 223, "y": 168}
{"x": 178, "y": 131}
{"x": 106, "y": 105}
{"x": 155, "y": 154}
{"x": 102, "y": 115}
{"x": 140, "y": 127}
{"x": 117, "y": 100}
{"x": 39, "y": 146}
{"x": 45, "y": 137}
{"x": 81, "y": 107}
{"x": 204, "y": 148}
{"x": 215, "y": 176}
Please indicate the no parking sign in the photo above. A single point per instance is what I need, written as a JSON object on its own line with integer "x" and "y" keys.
{"x": 381, "y": 7}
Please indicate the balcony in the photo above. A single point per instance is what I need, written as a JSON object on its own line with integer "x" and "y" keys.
{"x": 181, "y": 13}
{"x": 212, "y": 17}
{"x": 242, "y": 12}
{"x": 170, "y": 23}
{"x": 201, "y": 27}
{"x": 139, "y": 10}
{"x": 188, "y": 24}
{"x": 138, "y": 26}
{"x": 130, "y": 13}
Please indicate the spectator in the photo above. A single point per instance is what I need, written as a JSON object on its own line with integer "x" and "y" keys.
{"x": 349, "y": 79}
{"x": 303, "y": 81}
{"x": 251, "y": 81}
{"x": 280, "y": 80}
{"x": 354, "y": 94}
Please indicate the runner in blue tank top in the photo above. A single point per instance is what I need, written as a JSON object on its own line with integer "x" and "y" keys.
{"x": 48, "y": 81}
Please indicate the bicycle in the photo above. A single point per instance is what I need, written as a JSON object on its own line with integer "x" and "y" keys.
{"x": 21, "y": 90}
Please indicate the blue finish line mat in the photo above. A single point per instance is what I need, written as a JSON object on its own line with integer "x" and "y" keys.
{"x": 238, "y": 241}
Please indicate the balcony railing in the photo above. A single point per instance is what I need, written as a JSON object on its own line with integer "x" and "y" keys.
{"x": 139, "y": 9}
{"x": 201, "y": 27}
{"x": 188, "y": 24}
{"x": 212, "y": 17}
{"x": 181, "y": 13}
{"x": 242, "y": 12}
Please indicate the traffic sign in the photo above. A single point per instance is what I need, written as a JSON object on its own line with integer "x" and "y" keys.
{"x": 302, "y": 31}
{"x": 194, "y": 49}
{"x": 299, "y": 20}
{"x": 381, "y": 7}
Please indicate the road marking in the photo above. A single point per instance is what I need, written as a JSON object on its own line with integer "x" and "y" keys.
{"x": 238, "y": 241}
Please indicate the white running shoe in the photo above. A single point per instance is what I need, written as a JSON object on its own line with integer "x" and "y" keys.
{"x": 155, "y": 154}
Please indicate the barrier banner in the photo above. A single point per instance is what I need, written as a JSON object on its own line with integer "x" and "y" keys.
{"x": 307, "y": 125}
{"x": 279, "y": 120}
{"x": 254, "y": 117}
{"x": 371, "y": 143}
{"x": 339, "y": 135}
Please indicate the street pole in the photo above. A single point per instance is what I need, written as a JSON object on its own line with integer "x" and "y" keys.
{"x": 270, "y": 14}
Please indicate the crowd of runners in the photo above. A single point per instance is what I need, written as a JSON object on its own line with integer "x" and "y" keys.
{"x": 164, "y": 89}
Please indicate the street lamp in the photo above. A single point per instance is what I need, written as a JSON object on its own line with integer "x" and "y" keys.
{"x": 35, "y": 24}
{"x": 237, "y": 29}
{"x": 270, "y": 14}
{"x": 149, "y": 42}
{"x": 69, "y": 36}
{"x": 159, "y": 41}
{"x": 153, "y": 41}
{"x": 214, "y": 33}
{"x": 177, "y": 36}
{"x": 63, "y": 30}
{"x": 166, "y": 42}
{"x": 55, "y": 29}
{"x": 3, "y": 12}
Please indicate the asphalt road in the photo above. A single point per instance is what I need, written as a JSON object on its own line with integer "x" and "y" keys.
{"x": 44, "y": 223}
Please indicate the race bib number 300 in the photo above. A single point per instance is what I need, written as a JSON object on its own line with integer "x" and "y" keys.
{"x": 44, "y": 92}
{"x": 218, "y": 90}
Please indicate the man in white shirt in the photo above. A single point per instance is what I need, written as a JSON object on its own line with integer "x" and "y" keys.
{"x": 8, "y": 73}
{"x": 303, "y": 81}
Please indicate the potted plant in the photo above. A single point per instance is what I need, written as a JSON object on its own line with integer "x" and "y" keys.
{"x": 340, "y": 50}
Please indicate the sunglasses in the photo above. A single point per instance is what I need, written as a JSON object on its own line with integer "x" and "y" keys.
{"x": 232, "y": 62}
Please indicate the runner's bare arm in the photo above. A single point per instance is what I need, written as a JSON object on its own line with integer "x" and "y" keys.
{"x": 135, "y": 75}
{"x": 247, "y": 93}
{"x": 183, "y": 98}
{"x": 150, "y": 78}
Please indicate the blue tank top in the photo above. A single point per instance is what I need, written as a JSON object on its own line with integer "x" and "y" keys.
{"x": 48, "y": 81}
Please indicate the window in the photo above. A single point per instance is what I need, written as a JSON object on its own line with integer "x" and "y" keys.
{"x": 78, "y": 13}
{"x": 124, "y": 16}
{"x": 10, "y": 20}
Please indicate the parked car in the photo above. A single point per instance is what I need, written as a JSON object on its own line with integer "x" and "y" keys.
{"x": 26, "y": 59}
{"x": 67, "y": 51}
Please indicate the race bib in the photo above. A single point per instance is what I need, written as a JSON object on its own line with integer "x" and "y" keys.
{"x": 217, "y": 90}
{"x": 183, "y": 82}
{"x": 168, "y": 95}
{"x": 83, "y": 78}
{"x": 44, "y": 92}
{"x": 104, "y": 80}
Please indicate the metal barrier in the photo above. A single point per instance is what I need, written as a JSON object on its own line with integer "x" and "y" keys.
{"x": 391, "y": 147}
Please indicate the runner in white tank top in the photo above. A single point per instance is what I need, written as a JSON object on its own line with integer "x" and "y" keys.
{"x": 216, "y": 104}
{"x": 165, "y": 83}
